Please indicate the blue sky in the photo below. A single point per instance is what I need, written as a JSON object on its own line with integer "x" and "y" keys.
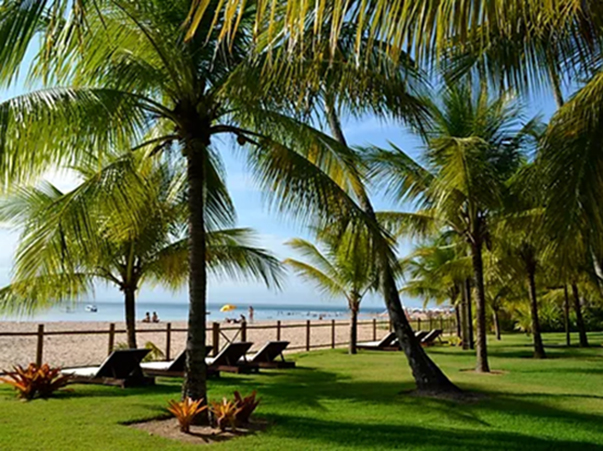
{"x": 273, "y": 229}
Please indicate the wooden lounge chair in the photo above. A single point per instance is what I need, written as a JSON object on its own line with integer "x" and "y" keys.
{"x": 431, "y": 337}
{"x": 121, "y": 368}
{"x": 232, "y": 359}
{"x": 395, "y": 345}
{"x": 381, "y": 345}
{"x": 421, "y": 334}
{"x": 268, "y": 355}
{"x": 171, "y": 368}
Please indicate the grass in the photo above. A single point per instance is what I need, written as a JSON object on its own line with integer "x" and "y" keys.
{"x": 336, "y": 401}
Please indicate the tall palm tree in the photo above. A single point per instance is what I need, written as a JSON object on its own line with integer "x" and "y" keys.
{"x": 339, "y": 266}
{"x": 474, "y": 145}
{"x": 124, "y": 225}
{"x": 133, "y": 79}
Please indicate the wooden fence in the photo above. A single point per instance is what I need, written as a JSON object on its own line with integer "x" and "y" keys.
{"x": 327, "y": 334}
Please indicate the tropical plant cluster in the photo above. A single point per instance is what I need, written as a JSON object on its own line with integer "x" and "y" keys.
{"x": 225, "y": 414}
{"x": 35, "y": 381}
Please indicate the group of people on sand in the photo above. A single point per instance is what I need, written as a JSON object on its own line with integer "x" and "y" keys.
{"x": 149, "y": 319}
{"x": 241, "y": 318}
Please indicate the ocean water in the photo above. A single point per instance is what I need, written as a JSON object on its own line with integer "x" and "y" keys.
{"x": 178, "y": 311}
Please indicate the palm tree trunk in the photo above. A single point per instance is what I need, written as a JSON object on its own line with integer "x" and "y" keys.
{"x": 130, "y": 304}
{"x": 566, "y": 318}
{"x": 579, "y": 319}
{"x": 459, "y": 328}
{"x": 428, "y": 376}
{"x": 496, "y": 324}
{"x": 353, "y": 327}
{"x": 480, "y": 308}
{"x": 469, "y": 314}
{"x": 537, "y": 337}
{"x": 195, "y": 385}
{"x": 464, "y": 316}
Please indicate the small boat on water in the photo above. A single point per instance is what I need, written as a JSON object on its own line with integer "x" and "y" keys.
{"x": 91, "y": 308}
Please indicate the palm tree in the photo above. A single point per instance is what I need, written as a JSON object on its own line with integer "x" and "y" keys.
{"x": 124, "y": 225}
{"x": 134, "y": 81}
{"x": 474, "y": 145}
{"x": 344, "y": 268}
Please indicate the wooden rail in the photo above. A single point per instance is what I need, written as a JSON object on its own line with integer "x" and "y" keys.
{"x": 241, "y": 332}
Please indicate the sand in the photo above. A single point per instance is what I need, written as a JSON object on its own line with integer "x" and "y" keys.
{"x": 90, "y": 349}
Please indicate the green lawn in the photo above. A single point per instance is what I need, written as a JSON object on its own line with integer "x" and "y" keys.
{"x": 336, "y": 401}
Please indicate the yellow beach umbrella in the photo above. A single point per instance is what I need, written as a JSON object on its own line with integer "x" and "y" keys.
{"x": 228, "y": 307}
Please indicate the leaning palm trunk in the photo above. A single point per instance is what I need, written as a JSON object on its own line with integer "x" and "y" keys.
{"x": 579, "y": 319}
{"x": 130, "y": 306}
{"x": 537, "y": 337}
{"x": 428, "y": 377}
{"x": 480, "y": 308}
{"x": 195, "y": 376}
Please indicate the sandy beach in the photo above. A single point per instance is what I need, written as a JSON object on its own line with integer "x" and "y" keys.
{"x": 89, "y": 349}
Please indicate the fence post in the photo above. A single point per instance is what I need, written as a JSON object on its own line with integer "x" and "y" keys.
{"x": 111, "y": 338}
{"x": 374, "y": 329}
{"x": 332, "y": 334}
{"x": 418, "y": 323}
{"x": 278, "y": 330}
{"x": 40, "y": 348}
{"x": 215, "y": 338}
{"x": 442, "y": 324}
{"x": 243, "y": 331}
{"x": 168, "y": 340}
{"x": 307, "y": 335}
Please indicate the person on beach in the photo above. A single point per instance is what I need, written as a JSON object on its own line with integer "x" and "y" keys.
{"x": 251, "y": 314}
{"x": 155, "y": 317}
{"x": 147, "y": 318}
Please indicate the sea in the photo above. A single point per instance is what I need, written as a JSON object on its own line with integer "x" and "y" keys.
{"x": 178, "y": 311}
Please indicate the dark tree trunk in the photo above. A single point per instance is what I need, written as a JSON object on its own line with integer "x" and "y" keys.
{"x": 480, "y": 309}
{"x": 428, "y": 377}
{"x": 496, "y": 324}
{"x": 469, "y": 313}
{"x": 195, "y": 384}
{"x": 566, "y": 317}
{"x": 353, "y": 327}
{"x": 130, "y": 302}
{"x": 464, "y": 315}
{"x": 459, "y": 330}
{"x": 579, "y": 319}
{"x": 537, "y": 337}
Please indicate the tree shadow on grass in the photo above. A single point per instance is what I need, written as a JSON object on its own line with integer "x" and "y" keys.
{"x": 396, "y": 436}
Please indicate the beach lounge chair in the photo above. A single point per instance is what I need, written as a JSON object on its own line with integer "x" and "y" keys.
{"x": 121, "y": 368}
{"x": 431, "y": 337}
{"x": 270, "y": 356}
{"x": 170, "y": 368}
{"x": 381, "y": 345}
{"x": 232, "y": 359}
{"x": 395, "y": 345}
